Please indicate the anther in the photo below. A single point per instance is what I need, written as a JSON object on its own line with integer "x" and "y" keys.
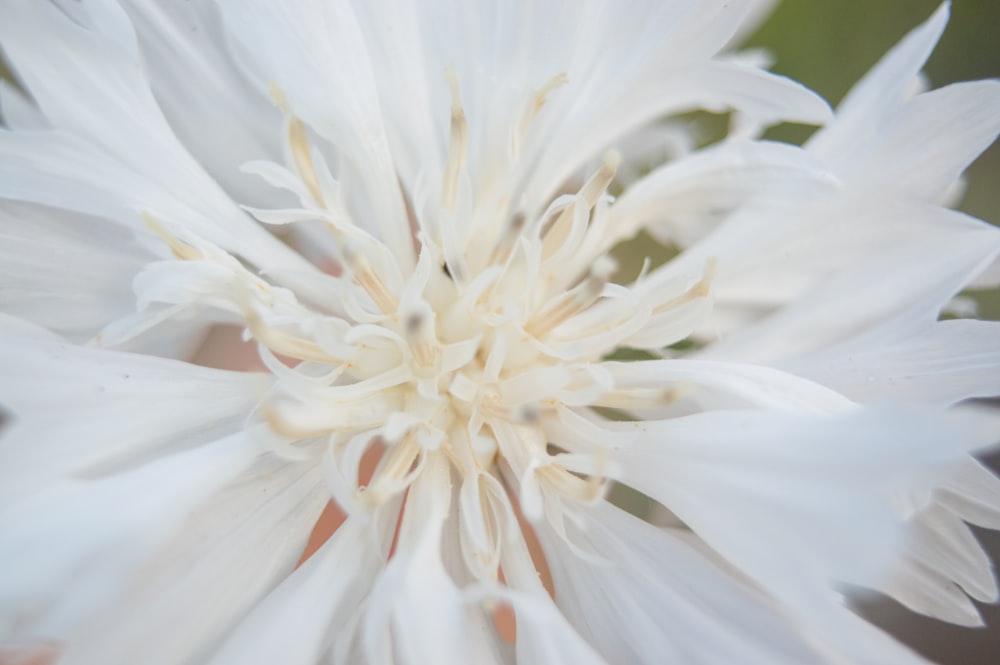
{"x": 584, "y": 490}
{"x": 542, "y": 95}
{"x": 537, "y": 102}
{"x": 457, "y": 144}
{"x": 701, "y": 288}
{"x": 298, "y": 143}
{"x": 392, "y": 477}
{"x": 576, "y": 299}
{"x": 180, "y": 250}
{"x": 420, "y": 338}
{"x": 361, "y": 268}
{"x": 589, "y": 194}
{"x": 284, "y": 343}
{"x": 505, "y": 243}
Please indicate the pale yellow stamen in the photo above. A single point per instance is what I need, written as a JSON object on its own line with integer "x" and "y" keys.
{"x": 420, "y": 338}
{"x": 701, "y": 289}
{"x": 180, "y": 250}
{"x": 542, "y": 95}
{"x": 575, "y": 300}
{"x": 537, "y": 102}
{"x": 585, "y": 490}
{"x": 284, "y": 426}
{"x": 397, "y": 463}
{"x": 457, "y": 144}
{"x": 644, "y": 398}
{"x": 285, "y": 344}
{"x": 369, "y": 280}
{"x": 555, "y": 232}
{"x": 505, "y": 243}
{"x": 298, "y": 143}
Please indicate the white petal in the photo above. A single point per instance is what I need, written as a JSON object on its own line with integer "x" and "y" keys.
{"x": 69, "y": 547}
{"x": 221, "y": 120}
{"x": 887, "y": 86}
{"x": 415, "y": 614}
{"x": 316, "y": 54}
{"x": 923, "y": 149}
{"x": 17, "y": 111}
{"x": 930, "y": 593}
{"x": 94, "y": 70}
{"x": 678, "y": 202}
{"x": 717, "y": 86}
{"x": 942, "y": 542}
{"x": 114, "y": 409}
{"x": 911, "y": 282}
{"x": 545, "y": 637}
{"x": 798, "y": 502}
{"x": 69, "y": 273}
{"x": 946, "y": 362}
{"x": 655, "y": 599}
{"x": 721, "y": 385}
{"x": 296, "y": 622}
{"x": 223, "y": 560}
{"x": 974, "y": 495}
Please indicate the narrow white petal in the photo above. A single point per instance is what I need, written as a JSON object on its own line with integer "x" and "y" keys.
{"x": 722, "y": 385}
{"x": 114, "y": 409}
{"x": 185, "y": 54}
{"x": 415, "y": 613}
{"x": 95, "y": 69}
{"x": 545, "y": 637}
{"x": 924, "y": 149}
{"x": 910, "y": 283}
{"x": 69, "y": 273}
{"x": 716, "y": 86}
{"x": 655, "y": 599}
{"x": 798, "y": 502}
{"x": 222, "y": 561}
{"x": 886, "y": 87}
{"x": 17, "y": 111}
{"x": 680, "y": 201}
{"x": 974, "y": 495}
{"x": 69, "y": 547}
{"x": 941, "y": 541}
{"x": 946, "y": 362}
{"x": 316, "y": 54}
{"x": 297, "y": 621}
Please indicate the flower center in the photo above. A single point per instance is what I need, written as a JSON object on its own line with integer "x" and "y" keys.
{"x": 470, "y": 355}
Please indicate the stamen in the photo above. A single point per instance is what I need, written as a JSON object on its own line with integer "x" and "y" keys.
{"x": 420, "y": 337}
{"x": 576, "y": 299}
{"x": 395, "y": 473}
{"x": 537, "y": 102}
{"x": 298, "y": 142}
{"x": 700, "y": 289}
{"x": 555, "y": 232}
{"x": 361, "y": 268}
{"x": 644, "y": 398}
{"x": 457, "y": 144}
{"x": 285, "y": 426}
{"x": 542, "y": 95}
{"x": 180, "y": 250}
{"x": 505, "y": 243}
{"x": 285, "y": 344}
{"x": 585, "y": 490}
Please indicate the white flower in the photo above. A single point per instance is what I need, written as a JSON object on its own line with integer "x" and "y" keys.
{"x": 443, "y": 326}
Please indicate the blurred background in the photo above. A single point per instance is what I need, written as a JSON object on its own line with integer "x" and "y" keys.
{"x": 828, "y": 45}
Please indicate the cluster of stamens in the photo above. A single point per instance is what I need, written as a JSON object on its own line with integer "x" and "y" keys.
{"x": 467, "y": 357}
